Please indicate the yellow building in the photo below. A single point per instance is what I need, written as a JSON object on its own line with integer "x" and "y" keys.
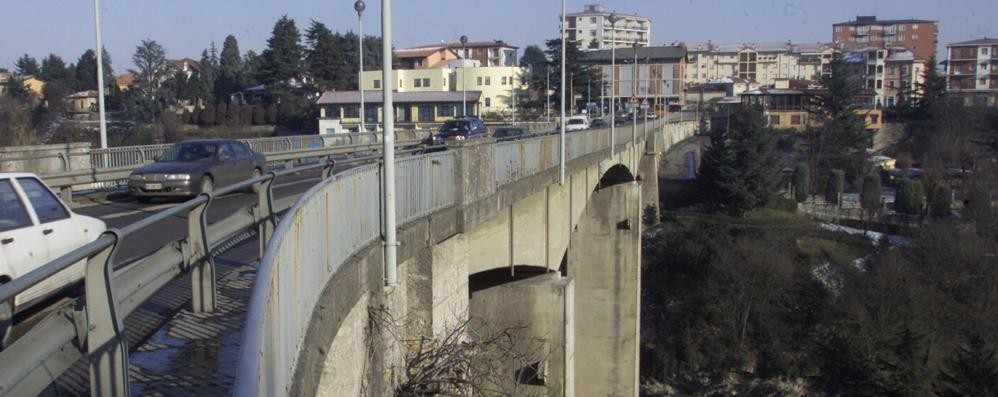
{"x": 424, "y": 107}
{"x": 82, "y": 102}
{"x": 495, "y": 83}
{"x": 34, "y": 85}
{"x": 762, "y": 63}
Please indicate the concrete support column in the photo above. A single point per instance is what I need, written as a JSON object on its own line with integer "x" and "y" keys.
{"x": 539, "y": 308}
{"x": 605, "y": 261}
{"x": 648, "y": 178}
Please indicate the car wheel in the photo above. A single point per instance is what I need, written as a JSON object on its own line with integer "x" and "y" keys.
{"x": 144, "y": 199}
{"x": 207, "y": 184}
{"x": 6, "y": 319}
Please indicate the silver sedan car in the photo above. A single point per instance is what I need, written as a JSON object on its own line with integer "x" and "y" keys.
{"x": 193, "y": 167}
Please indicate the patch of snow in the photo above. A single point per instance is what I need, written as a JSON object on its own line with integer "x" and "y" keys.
{"x": 875, "y": 237}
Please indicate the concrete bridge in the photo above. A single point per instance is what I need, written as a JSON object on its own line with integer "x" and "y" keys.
{"x": 490, "y": 238}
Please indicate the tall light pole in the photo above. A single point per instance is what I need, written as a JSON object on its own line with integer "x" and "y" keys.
{"x": 100, "y": 78}
{"x": 514, "y": 96}
{"x": 561, "y": 157}
{"x": 613, "y": 72}
{"x": 359, "y": 6}
{"x": 464, "y": 76}
{"x": 388, "y": 112}
{"x": 634, "y": 93}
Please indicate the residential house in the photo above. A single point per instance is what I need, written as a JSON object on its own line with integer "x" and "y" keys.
{"x": 424, "y": 57}
{"x": 186, "y": 66}
{"x": 891, "y": 75}
{"x": 487, "y": 53}
{"x": 788, "y": 106}
{"x": 124, "y": 81}
{"x": 81, "y": 103}
{"x": 591, "y": 29}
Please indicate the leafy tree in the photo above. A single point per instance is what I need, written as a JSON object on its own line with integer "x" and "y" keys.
{"x": 802, "y": 182}
{"x": 322, "y": 55}
{"x": 972, "y": 371}
{"x": 26, "y": 65}
{"x": 870, "y": 197}
{"x": 742, "y": 166}
{"x": 259, "y": 115}
{"x": 15, "y": 122}
{"x": 841, "y": 140}
{"x": 230, "y": 68}
{"x": 282, "y": 59}
{"x": 533, "y": 57}
{"x": 834, "y": 187}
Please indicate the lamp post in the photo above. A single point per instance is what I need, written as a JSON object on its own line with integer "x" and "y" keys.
{"x": 388, "y": 174}
{"x": 464, "y": 76}
{"x": 634, "y": 93}
{"x": 613, "y": 72}
{"x": 359, "y": 6}
{"x": 547, "y": 96}
{"x": 561, "y": 157}
{"x": 100, "y": 77}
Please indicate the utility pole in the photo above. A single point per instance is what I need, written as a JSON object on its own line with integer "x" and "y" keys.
{"x": 613, "y": 76}
{"x": 388, "y": 165}
{"x": 359, "y": 6}
{"x": 561, "y": 157}
{"x": 100, "y": 79}
{"x": 634, "y": 93}
{"x": 464, "y": 75}
{"x": 547, "y": 94}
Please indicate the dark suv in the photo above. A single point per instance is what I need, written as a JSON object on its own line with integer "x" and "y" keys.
{"x": 460, "y": 129}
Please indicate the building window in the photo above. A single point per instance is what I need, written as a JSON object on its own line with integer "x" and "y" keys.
{"x": 592, "y": 19}
{"x": 838, "y": 29}
{"x": 914, "y": 26}
{"x": 890, "y": 102}
{"x": 417, "y": 83}
{"x": 880, "y": 69}
{"x": 377, "y": 84}
{"x": 351, "y": 112}
{"x": 914, "y": 37}
{"x": 984, "y": 51}
{"x": 479, "y": 80}
{"x": 890, "y": 84}
{"x": 488, "y": 102}
{"x": 796, "y": 119}
{"x": 503, "y": 81}
{"x": 445, "y": 110}
{"x": 425, "y": 112}
{"x": 774, "y": 119}
{"x": 880, "y": 84}
{"x": 426, "y": 82}
{"x": 488, "y": 80}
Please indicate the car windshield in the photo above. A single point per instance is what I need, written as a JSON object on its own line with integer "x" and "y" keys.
{"x": 455, "y": 126}
{"x": 189, "y": 152}
{"x": 576, "y": 121}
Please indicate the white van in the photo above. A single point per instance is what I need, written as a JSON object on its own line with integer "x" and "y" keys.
{"x": 577, "y": 123}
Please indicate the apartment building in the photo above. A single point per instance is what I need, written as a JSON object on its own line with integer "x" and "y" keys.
{"x": 761, "y": 63}
{"x": 591, "y": 28}
{"x": 487, "y": 53}
{"x": 917, "y": 35}
{"x": 972, "y": 71}
{"x": 788, "y": 106}
{"x": 658, "y": 77}
{"x": 888, "y": 75}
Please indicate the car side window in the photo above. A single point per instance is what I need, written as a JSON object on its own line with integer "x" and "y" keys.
{"x": 240, "y": 149}
{"x": 225, "y": 152}
{"x": 47, "y": 206}
{"x": 13, "y": 215}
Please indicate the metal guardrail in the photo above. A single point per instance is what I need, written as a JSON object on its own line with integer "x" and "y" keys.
{"x": 92, "y": 326}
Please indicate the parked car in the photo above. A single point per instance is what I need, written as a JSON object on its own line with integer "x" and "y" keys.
{"x": 577, "y": 123}
{"x": 460, "y": 129}
{"x": 510, "y": 133}
{"x": 193, "y": 167}
{"x": 598, "y": 123}
{"x": 35, "y": 228}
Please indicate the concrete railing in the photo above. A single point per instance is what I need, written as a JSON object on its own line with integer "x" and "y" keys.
{"x": 336, "y": 220}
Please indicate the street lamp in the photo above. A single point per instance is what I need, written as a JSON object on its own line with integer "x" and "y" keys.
{"x": 359, "y": 6}
{"x": 561, "y": 156}
{"x": 547, "y": 96}
{"x": 464, "y": 76}
{"x": 100, "y": 79}
{"x": 388, "y": 165}
{"x": 613, "y": 72}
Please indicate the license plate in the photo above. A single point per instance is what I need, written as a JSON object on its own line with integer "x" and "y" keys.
{"x": 154, "y": 186}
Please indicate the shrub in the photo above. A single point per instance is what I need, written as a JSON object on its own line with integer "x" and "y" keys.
{"x": 207, "y": 117}
{"x": 869, "y": 197}
{"x": 221, "y": 113}
{"x": 904, "y": 199}
{"x": 942, "y": 200}
{"x": 246, "y": 115}
{"x": 802, "y": 182}
{"x": 272, "y": 114}
{"x": 259, "y": 116}
{"x": 917, "y": 198}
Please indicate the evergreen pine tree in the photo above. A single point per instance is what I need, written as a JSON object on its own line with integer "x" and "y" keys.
{"x": 802, "y": 182}
{"x": 841, "y": 140}
{"x": 870, "y": 196}
{"x": 971, "y": 371}
{"x": 230, "y": 68}
{"x": 26, "y": 65}
{"x": 271, "y": 114}
{"x": 208, "y": 75}
{"x": 282, "y": 59}
{"x": 259, "y": 116}
{"x": 245, "y": 115}
{"x": 834, "y": 187}
{"x": 321, "y": 55}
{"x": 904, "y": 198}
{"x": 917, "y": 198}
{"x": 221, "y": 113}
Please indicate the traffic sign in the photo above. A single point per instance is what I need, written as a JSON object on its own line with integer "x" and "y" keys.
{"x": 644, "y": 103}
{"x": 632, "y": 103}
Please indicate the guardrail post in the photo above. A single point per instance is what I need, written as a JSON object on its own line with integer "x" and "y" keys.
{"x": 198, "y": 256}
{"x": 106, "y": 343}
{"x": 264, "y": 211}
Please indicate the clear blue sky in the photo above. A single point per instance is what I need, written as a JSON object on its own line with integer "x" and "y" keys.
{"x": 185, "y": 27}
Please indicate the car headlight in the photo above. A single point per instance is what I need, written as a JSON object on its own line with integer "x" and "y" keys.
{"x": 136, "y": 177}
{"x": 177, "y": 177}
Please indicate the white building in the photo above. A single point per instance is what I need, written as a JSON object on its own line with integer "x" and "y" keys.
{"x": 591, "y": 29}
{"x": 762, "y": 63}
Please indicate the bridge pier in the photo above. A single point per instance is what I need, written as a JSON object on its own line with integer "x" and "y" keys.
{"x": 604, "y": 259}
{"x": 648, "y": 178}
